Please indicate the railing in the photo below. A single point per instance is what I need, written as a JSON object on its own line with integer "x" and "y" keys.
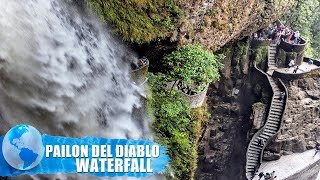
{"x": 289, "y": 47}
{"x": 259, "y": 42}
{"x": 315, "y": 61}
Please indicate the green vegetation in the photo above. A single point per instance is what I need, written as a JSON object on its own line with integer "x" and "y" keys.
{"x": 193, "y": 65}
{"x": 261, "y": 55}
{"x": 305, "y": 18}
{"x": 176, "y": 126}
{"x": 137, "y": 21}
{"x": 240, "y": 52}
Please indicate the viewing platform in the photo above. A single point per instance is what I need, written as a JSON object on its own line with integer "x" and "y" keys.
{"x": 296, "y": 166}
{"x": 305, "y": 69}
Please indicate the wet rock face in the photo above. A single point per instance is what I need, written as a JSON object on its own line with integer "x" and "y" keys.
{"x": 223, "y": 146}
{"x": 301, "y": 124}
{"x": 213, "y": 23}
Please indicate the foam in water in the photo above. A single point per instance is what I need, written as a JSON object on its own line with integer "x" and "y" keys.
{"x": 61, "y": 74}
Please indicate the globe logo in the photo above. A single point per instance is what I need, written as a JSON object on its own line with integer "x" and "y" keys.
{"x": 22, "y": 147}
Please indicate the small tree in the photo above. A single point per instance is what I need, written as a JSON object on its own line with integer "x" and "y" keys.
{"x": 193, "y": 65}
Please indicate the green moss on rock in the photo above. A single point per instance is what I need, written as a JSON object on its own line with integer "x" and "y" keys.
{"x": 137, "y": 21}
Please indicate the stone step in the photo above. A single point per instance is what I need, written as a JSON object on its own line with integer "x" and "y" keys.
{"x": 253, "y": 155}
{"x": 276, "y": 104}
{"x": 274, "y": 108}
{"x": 272, "y": 132}
{"x": 273, "y": 117}
{"x": 252, "y": 163}
{"x": 256, "y": 146}
{"x": 254, "y": 150}
{"x": 269, "y": 127}
{"x": 272, "y": 126}
{"x": 253, "y": 158}
{"x": 273, "y": 120}
{"x": 275, "y": 113}
{"x": 251, "y": 168}
{"x": 263, "y": 136}
{"x": 269, "y": 134}
{"x": 278, "y": 101}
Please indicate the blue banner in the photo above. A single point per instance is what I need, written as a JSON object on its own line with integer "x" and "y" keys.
{"x": 91, "y": 155}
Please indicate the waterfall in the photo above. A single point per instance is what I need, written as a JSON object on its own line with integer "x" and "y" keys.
{"x": 63, "y": 73}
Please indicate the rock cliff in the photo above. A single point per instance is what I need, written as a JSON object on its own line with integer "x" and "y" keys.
{"x": 211, "y": 23}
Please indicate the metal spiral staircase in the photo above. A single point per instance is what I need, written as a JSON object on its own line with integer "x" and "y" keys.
{"x": 273, "y": 122}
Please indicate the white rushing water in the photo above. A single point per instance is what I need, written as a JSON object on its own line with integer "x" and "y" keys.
{"x": 62, "y": 73}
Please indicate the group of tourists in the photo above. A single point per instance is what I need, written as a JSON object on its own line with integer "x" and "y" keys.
{"x": 276, "y": 32}
{"x": 279, "y": 31}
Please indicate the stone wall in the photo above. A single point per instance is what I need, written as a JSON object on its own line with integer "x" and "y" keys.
{"x": 301, "y": 125}
{"x": 297, "y": 48}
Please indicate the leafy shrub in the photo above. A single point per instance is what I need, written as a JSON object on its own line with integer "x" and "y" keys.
{"x": 175, "y": 126}
{"x": 193, "y": 65}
